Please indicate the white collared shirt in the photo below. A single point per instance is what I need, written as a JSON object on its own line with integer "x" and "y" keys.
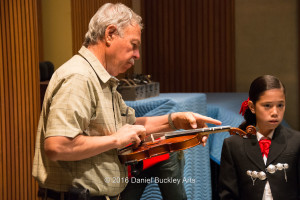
{"x": 267, "y": 192}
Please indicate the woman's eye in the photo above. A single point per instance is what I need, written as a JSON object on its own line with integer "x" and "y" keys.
{"x": 281, "y": 105}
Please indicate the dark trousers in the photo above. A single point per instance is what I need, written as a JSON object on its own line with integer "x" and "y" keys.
{"x": 171, "y": 169}
{"x": 73, "y": 194}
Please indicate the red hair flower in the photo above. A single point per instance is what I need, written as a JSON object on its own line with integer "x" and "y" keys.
{"x": 244, "y": 107}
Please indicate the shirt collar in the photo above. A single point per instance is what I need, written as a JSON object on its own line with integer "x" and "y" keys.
{"x": 259, "y": 135}
{"x": 95, "y": 64}
{"x": 114, "y": 82}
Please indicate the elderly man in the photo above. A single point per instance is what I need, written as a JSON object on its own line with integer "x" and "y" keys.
{"x": 83, "y": 121}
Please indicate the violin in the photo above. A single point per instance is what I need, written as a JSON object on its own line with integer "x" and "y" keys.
{"x": 174, "y": 141}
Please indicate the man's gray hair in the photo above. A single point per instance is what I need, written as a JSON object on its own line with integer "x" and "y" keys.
{"x": 110, "y": 14}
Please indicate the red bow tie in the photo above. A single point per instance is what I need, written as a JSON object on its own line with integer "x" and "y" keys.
{"x": 265, "y": 146}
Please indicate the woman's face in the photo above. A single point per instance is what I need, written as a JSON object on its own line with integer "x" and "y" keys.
{"x": 269, "y": 110}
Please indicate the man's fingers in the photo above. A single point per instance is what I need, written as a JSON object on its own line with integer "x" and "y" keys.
{"x": 206, "y": 119}
{"x": 190, "y": 117}
{"x": 137, "y": 142}
{"x": 142, "y": 135}
{"x": 131, "y": 134}
{"x": 204, "y": 140}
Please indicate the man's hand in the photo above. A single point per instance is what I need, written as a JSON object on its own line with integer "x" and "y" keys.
{"x": 189, "y": 120}
{"x": 130, "y": 134}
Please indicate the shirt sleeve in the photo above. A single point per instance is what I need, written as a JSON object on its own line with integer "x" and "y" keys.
{"x": 70, "y": 108}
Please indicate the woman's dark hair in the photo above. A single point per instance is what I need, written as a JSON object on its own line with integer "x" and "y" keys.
{"x": 257, "y": 88}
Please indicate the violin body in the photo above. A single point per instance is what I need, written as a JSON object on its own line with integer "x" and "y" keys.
{"x": 185, "y": 139}
{"x": 159, "y": 147}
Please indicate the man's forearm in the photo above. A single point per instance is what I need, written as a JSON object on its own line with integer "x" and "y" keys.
{"x": 154, "y": 124}
{"x": 78, "y": 148}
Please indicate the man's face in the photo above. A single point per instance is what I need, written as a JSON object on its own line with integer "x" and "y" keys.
{"x": 269, "y": 110}
{"x": 124, "y": 50}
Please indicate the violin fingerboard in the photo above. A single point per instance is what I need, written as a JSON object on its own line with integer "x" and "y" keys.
{"x": 202, "y": 131}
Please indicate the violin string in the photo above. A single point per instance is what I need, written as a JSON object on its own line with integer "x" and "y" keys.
{"x": 129, "y": 146}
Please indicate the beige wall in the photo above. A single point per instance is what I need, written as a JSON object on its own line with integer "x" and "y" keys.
{"x": 57, "y": 31}
{"x": 267, "y": 43}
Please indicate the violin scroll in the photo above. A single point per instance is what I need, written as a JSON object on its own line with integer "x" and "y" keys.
{"x": 250, "y": 130}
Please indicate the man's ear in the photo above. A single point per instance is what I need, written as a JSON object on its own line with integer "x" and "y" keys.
{"x": 251, "y": 106}
{"x": 110, "y": 33}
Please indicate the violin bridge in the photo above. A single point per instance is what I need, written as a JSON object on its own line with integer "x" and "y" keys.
{"x": 152, "y": 137}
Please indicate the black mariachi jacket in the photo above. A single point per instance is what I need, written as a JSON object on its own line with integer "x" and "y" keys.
{"x": 241, "y": 154}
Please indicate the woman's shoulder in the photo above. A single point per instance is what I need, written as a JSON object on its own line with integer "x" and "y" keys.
{"x": 289, "y": 132}
{"x": 234, "y": 139}
{"x": 287, "y": 129}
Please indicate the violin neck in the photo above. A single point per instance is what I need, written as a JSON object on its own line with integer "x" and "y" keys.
{"x": 201, "y": 131}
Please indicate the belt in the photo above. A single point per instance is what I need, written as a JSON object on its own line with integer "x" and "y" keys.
{"x": 52, "y": 194}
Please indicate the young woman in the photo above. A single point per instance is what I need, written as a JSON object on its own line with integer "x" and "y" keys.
{"x": 249, "y": 171}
